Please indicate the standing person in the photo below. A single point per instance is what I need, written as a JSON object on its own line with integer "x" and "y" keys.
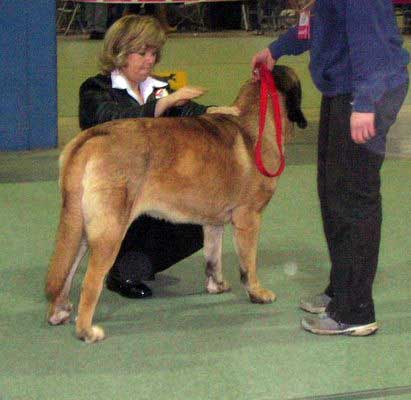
{"x": 359, "y": 65}
{"x": 157, "y": 10}
{"x": 407, "y": 19}
{"x": 126, "y": 89}
{"x": 96, "y": 15}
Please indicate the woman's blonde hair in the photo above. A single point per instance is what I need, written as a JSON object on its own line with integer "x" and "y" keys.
{"x": 130, "y": 34}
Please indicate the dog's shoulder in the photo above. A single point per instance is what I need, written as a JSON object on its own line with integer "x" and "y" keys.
{"x": 221, "y": 128}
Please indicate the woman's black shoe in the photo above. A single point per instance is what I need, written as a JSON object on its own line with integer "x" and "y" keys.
{"x": 128, "y": 288}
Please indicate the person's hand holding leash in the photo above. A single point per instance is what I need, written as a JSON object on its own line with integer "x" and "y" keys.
{"x": 263, "y": 57}
{"x": 362, "y": 127}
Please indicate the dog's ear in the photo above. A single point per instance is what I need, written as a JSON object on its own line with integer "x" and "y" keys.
{"x": 289, "y": 85}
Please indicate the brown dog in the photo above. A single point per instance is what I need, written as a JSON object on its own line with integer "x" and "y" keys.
{"x": 198, "y": 169}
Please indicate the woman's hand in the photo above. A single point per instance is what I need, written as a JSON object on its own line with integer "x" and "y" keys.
{"x": 178, "y": 98}
{"x": 230, "y": 110}
{"x": 185, "y": 94}
{"x": 263, "y": 57}
{"x": 362, "y": 127}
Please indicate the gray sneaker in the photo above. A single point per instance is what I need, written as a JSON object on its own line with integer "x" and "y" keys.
{"x": 315, "y": 304}
{"x": 325, "y": 325}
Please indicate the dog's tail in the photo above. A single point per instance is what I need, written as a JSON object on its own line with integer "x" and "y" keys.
{"x": 68, "y": 238}
{"x": 289, "y": 85}
{"x": 71, "y": 227}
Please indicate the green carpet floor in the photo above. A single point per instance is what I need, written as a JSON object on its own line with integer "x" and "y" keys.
{"x": 184, "y": 344}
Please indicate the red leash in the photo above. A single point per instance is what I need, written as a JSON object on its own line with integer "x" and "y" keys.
{"x": 268, "y": 89}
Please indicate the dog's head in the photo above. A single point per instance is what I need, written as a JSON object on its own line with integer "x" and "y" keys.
{"x": 288, "y": 85}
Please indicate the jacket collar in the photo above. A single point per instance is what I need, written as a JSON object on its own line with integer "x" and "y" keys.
{"x": 118, "y": 81}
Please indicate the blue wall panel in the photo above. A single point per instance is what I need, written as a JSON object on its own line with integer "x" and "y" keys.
{"x": 28, "y": 75}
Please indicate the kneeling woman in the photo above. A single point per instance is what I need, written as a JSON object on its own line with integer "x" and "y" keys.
{"x": 127, "y": 89}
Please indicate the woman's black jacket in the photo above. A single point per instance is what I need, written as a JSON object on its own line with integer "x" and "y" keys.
{"x": 99, "y": 103}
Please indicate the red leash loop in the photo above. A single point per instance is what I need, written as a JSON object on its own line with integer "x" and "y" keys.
{"x": 268, "y": 89}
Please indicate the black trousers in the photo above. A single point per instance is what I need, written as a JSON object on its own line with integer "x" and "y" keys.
{"x": 349, "y": 191}
{"x": 152, "y": 245}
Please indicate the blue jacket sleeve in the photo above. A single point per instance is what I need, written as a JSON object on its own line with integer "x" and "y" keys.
{"x": 288, "y": 44}
{"x": 371, "y": 40}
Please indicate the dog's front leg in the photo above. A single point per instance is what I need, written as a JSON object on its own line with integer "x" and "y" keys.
{"x": 213, "y": 240}
{"x": 246, "y": 223}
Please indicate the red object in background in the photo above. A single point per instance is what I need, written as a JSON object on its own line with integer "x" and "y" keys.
{"x": 400, "y": 2}
{"x": 147, "y": 1}
{"x": 304, "y": 27}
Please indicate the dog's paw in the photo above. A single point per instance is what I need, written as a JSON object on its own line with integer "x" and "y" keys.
{"x": 261, "y": 296}
{"x": 91, "y": 335}
{"x": 215, "y": 287}
{"x": 59, "y": 314}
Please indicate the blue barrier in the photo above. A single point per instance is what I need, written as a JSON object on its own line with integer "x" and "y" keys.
{"x": 28, "y": 75}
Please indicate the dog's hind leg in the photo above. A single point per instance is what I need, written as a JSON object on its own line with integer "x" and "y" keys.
{"x": 213, "y": 239}
{"x": 59, "y": 312}
{"x": 107, "y": 221}
{"x": 246, "y": 223}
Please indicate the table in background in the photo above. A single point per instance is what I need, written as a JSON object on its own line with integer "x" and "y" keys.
{"x": 68, "y": 11}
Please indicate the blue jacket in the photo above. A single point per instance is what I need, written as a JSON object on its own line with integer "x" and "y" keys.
{"x": 355, "y": 48}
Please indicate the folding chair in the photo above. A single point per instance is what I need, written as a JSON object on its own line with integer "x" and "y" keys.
{"x": 68, "y": 12}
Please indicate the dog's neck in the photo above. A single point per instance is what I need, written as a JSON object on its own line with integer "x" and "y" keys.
{"x": 248, "y": 102}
